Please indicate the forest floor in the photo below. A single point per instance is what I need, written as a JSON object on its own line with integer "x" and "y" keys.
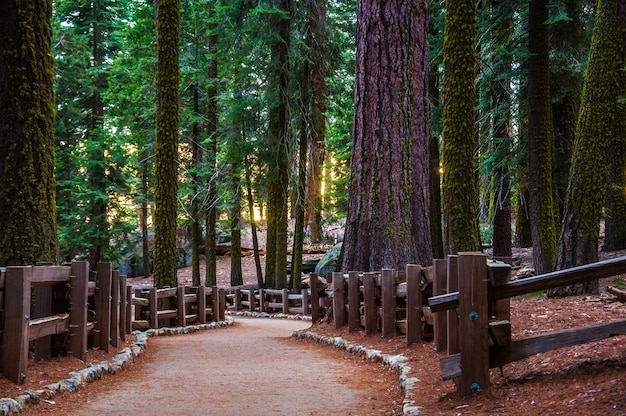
{"x": 587, "y": 379}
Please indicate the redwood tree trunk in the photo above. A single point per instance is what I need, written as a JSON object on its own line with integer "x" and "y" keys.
{"x": 388, "y": 221}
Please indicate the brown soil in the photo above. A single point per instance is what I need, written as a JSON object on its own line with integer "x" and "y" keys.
{"x": 588, "y": 379}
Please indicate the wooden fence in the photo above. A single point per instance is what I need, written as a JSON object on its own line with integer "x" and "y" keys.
{"x": 274, "y": 300}
{"x": 178, "y": 306}
{"x": 72, "y": 309}
{"x": 481, "y": 336}
{"x": 68, "y": 309}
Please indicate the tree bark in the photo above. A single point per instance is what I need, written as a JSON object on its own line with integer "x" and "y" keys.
{"x": 166, "y": 153}
{"x": 578, "y": 243}
{"x": 615, "y": 218}
{"x": 277, "y": 233}
{"x": 540, "y": 138}
{"x": 210, "y": 245}
{"x": 27, "y": 184}
{"x": 388, "y": 221}
{"x": 460, "y": 199}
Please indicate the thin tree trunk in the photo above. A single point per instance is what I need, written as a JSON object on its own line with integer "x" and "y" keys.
{"x": 255, "y": 237}
{"x": 540, "y": 139}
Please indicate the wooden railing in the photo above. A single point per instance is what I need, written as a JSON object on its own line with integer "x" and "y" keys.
{"x": 67, "y": 307}
{"x": 178, "y": 306}
{"x": 272, "y": 300}
{"x": 481, "y": 290}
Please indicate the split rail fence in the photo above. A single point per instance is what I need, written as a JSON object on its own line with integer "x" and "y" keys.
{"x": 478, "y": 316}
{"x": 52, "y": 310}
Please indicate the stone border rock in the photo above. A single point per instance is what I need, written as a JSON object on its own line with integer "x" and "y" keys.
{"x": 296, "y": 317}
{"x": 78, "y": 379}
{"x": 394, "y": 362}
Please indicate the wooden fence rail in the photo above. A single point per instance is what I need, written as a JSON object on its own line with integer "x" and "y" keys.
{"x": 482, "y": 301}
{"x": 67, "y": 308}
{"x": 153, "y": 308}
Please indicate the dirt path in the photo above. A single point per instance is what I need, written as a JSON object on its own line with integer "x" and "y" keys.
{"x": 252, "y": 368}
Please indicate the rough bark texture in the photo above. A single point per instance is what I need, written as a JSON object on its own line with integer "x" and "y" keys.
{"x": 389, "y": 199}
{"x": 166, "y": 159}
{"x": 27, "y": 185}
{"x": 615, "y": 219}
{"x": 540, "y": 138}
{"x": 578, "y": 243}
{"x": 236, "y": 274}
{"x": 523, "y": 234}
{"x": 210, "y": 245}
{"x": 566, "y": 83}
{"x": 278, "y": 174}
{"x": 501, "y": 64}
{"x": 459, "y": 133}
{"x": 316, "y": 42}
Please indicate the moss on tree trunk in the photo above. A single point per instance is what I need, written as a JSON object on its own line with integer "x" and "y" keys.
{"x": 459, "y": 133}
{"x": 166, "y": 152}
{"x": 578, "y": 243}
{"x": 27, "y": 185}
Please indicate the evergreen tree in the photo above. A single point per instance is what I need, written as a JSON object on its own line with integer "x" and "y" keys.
{"x": 388, "y": 223}
{"x": 166, "y": 162}
{"x": 459, "y": 134}
{"x": 540, "y": 139}
{"x": 278, "y": 146}
{"x": 27, "y": 184}
{"x": 578, "y": 243}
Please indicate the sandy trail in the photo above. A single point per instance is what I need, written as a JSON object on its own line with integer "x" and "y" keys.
{"x": 251, "y": 368}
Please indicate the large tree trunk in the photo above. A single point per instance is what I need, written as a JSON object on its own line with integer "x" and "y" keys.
{"x": 578, "y": 243}
{"x": 615, "y": 219}
{"x": 27, "y": 185}
{"x": 166, "y": 152}
{"x": 194, "y": 209}
{"x": 277, "y": 233}
{"x": 460, "y": 198}
{"x": 388, "y": 221}
{"x": 540, "y": 138}
{"x": 236, "y": 274}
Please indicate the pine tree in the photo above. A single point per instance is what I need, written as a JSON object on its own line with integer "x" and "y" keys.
{"x": 27, "y": 185}
{"x": 459, "y": 134}
{"x": 578, "y": 243}
{"x": 166, "y": 162}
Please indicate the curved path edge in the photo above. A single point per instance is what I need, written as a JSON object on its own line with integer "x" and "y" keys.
{"x": 394, "y": 362}
{"x": 78, "y": 379}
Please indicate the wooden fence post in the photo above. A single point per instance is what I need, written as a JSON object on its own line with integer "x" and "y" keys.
{"x": 115, "y": 308}
{"x": 473, "y": 322}
{"x": 129, "y": 309}
{"x": 354, "y": 302}
{"x": 339, "y": 299}
{"x": 79, "y": 291}
{"x": 180, "y": 306}
{"x": 388, "y": 321}
{"x": 221, "y": 294}
{"x": 369, "y": 303}
{"x": 440, "y": 287}
{"x": 154, "y": 308}
{"x": 315, "y": 299}
{"x": 124, "y": 305}
{"x": 200, "y": 290}
{"x": 413, "y": 303}
{"x": 16, "y": 319}
{"x": 286, "y": 301}
{"x": 453, "y": 320}
{"x": 103, "y": 306}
